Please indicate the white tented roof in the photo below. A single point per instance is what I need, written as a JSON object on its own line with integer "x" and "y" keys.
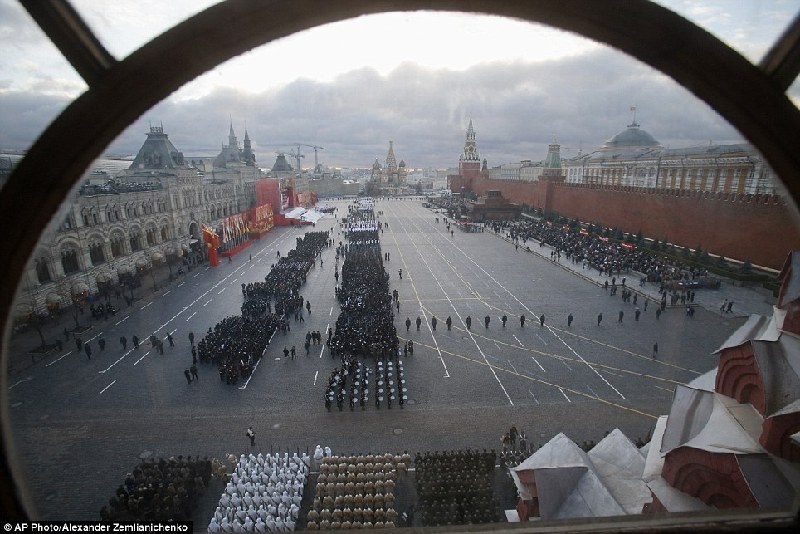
{"x": 756, "y": 328}
{"x": 711, "y": 422}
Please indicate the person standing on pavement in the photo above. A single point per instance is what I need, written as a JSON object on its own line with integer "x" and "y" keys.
{"x": 486, "y": 321}
{"x": 541, "y": 320}
{"x": 621, "y": 315}
{"x": 252, "y": 435}
{"x": 170, "y": 339}
{"x": 191, "y": 338}
{"x": 102, "y": 342}
{"x": 419, "y": 322}
{"x": 569, "y": 319}
{"x": 468, "y": 322}
{"x": 408, "y": 323}
{"x": 599, "y": 318}
{"x": 655, "y": 350}
{"x": 124, "y": 342}
{"x": 193, "y": 370}
{"x": 433, "y": 323}
{"x": 88, "y": 350}
{"x": 522, "y": 321}
{"x": 504, "y": 318}
{"x": 449, "y": 323}
{"x": 188, "y": 376}
{"x": 135, "y": 342}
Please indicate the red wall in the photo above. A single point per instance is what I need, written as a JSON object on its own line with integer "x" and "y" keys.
{"x": 268, "y": 192}
{"x": 762, "y": 230}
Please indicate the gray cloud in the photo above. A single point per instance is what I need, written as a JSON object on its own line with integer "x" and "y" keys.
{"x": 517, "y": 109}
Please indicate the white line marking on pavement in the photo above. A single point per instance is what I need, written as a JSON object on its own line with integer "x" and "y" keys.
{"x": 121, "y": 320}
{"x": 593, "y": 393}
{"x": 542, "y": 339}
{"x": 195, "y": 275}
{"x": 146, "y": 305}
{"x": 21, "y": 381}
{"x": 259, "y": 360}
{"x": 58, "y": 360}
{"x": 179, "y": 285}
{"x": 565, "y": 395}
{"x": 220, "y": 291}
{"x": 207, "y": 302}
{"x": 167, "y": 293}
{"x": 518, "y": 341}
{"x": 315, "y": 377}
{"x": 142, "y": 358}
{"x": 108, "y": 386}
{"x": 104, "y": 371}
{"x": 539, "y": 364}
{"x": 251, "y": 374}
{"x": 192, "y": 315}
{"x": 587, "y": 363}
{"x": 512, "y": 366}
{"x": 331, "y": 312}
{"x": 534, "y": 396}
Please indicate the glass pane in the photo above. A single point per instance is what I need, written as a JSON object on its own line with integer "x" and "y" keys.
{"x": 36, "y": 82}
{"x": 599, "y": 301}
{"x": 748, "y": 27}
{"x": 124, "y": 26}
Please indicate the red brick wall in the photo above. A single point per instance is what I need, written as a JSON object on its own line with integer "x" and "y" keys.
{"x": 760, "y": 231}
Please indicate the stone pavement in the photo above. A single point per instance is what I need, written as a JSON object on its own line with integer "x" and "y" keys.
{"x": 83, "y": 424}
{"x": 747, "y": 299}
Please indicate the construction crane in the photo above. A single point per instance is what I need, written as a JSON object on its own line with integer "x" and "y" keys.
{"x": 315, "y": 147}
{"x": 297, "y": 156}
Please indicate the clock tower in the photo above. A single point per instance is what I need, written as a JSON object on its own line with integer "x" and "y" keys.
{"x": 469, "y": 163}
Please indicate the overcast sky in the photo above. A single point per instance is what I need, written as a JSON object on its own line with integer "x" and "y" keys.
{"x": 349, "y": 89}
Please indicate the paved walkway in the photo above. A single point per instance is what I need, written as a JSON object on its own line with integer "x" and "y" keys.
{"x": 747, "y": 300}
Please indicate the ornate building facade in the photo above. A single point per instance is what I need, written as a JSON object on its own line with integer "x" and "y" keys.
{"x": 389, "y": 179}
{"x": 116, "y": 229}
{"x": 635, "y": 158}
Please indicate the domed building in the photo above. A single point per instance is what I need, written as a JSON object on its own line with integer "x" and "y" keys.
{"x": 634, "y": 158}
{"x": 388, "y": 180}
{"x": 631, "y": 138}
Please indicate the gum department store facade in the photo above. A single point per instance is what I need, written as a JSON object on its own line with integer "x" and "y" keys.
{"x": 117, "y": 230}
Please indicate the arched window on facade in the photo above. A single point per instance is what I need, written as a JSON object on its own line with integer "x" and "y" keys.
{"x": 96, "y": 253}
{"x": 151, "y": 236}
{"x": 136, "y": 241}
{"x": 164, "y": 233}
{"x": 69, "y": 261}
{"x": 117, "y": 246}
{"x": 42, "y": 270}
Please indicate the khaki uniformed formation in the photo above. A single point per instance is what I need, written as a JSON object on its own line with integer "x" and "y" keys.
{"x": 356, "y": 492}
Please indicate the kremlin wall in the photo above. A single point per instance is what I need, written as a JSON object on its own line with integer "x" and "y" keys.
{"x": 760, "y": 228}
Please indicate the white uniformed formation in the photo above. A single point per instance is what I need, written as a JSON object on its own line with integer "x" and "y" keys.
{"x": 263, "y": 494}
{"x": 355, "y": 492}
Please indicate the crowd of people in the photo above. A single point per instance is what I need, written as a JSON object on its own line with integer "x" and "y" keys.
{"x": 357, "y": 492}
{"x": 365, "y": 325}
{"x": 236, "y": 344}
{"x": 352, "y": 381}
{"x": 456, "y": 487}
{"x": 263, "y": 494}
{"x": 160, "y": 490}
{"x": 606, "y": 256}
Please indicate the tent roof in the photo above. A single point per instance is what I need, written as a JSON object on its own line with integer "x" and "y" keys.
{"x": 711, "y": 422}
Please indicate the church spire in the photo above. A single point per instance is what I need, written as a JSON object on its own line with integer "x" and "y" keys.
{"x": 391, "y": 161}
{"x": 470, "y": 146}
